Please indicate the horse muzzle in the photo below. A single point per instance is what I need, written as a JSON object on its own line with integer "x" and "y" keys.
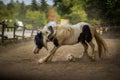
{"x": 36, "y": 50}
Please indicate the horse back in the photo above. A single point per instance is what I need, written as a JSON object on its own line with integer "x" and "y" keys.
{"x": 64, "y": 32}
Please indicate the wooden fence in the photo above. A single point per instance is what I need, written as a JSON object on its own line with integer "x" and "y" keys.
{"x": 15, "y": 37}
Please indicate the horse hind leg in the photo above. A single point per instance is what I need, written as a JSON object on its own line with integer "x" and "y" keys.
{"x": 93, "y": 50}
{"x": 85, "y": 53}
{"x": 88, "y": 38}
{"x": 85, "y": 47}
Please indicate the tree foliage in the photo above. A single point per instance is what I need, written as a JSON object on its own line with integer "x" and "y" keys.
{"x": 37, "y": 13}
{"x": 106, "y": 10}
{"x": 71, "y": 9}
{"x": 43, "y": 6}
{"x": 95, "y": 11}
{"x": 3, "y": 11}
{"x": 63, "y": 6}
{"x": 34, "y": 5}
{"x": 35, "y": 18}
{"x": 33, "y": 14}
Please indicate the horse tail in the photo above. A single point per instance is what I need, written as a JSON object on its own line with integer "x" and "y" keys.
{"x": 102, "y": 46}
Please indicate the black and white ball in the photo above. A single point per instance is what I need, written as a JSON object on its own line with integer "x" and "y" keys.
{"x": 70, "y": 57}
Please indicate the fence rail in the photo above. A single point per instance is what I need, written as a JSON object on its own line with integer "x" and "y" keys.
{"x": 14, "y": 34}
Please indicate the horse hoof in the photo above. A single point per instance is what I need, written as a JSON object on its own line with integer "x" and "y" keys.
{"x": 92, "y": 58}
{"x": 41, "y": 61}
{"x": 37, "y": 63}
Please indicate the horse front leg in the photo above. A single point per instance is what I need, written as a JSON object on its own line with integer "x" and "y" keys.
{"x": 53, "y": 51}
{"x": 49, "y": 55}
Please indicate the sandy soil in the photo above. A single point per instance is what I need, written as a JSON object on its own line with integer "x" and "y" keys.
{"x": 17, "y": 62}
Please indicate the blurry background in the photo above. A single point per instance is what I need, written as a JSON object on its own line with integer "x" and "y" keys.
{"x": 37, "y": 13}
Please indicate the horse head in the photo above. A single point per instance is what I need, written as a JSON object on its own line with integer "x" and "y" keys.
{"x": 43, "y": 37}
{"x": 40, "y": 41}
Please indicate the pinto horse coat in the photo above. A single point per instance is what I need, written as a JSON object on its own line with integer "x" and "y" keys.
{"x": 68, "y": 35}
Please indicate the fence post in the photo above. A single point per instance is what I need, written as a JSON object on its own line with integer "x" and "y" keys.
{"x": 14, "y": 30}
{"x": 23, "y": 34}
{"x": 32, "y": 33}
{"x": 3, "y": 29}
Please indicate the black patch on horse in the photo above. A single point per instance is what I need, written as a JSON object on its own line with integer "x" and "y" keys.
{"x": 55, "y": 41}
{"x": 51, "y": 30}
{"x": 52, "y": 38}
{"x": 85, "y": 35}
{"x": 39, "y": 40}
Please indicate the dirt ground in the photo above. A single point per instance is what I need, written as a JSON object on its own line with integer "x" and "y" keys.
{"x": 17, "y": 62}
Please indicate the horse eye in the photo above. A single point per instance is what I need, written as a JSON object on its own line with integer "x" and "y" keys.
{"x": 46, "y": 32}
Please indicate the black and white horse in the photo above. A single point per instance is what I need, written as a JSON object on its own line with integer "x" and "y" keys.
{"x": 69, "y": 35}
